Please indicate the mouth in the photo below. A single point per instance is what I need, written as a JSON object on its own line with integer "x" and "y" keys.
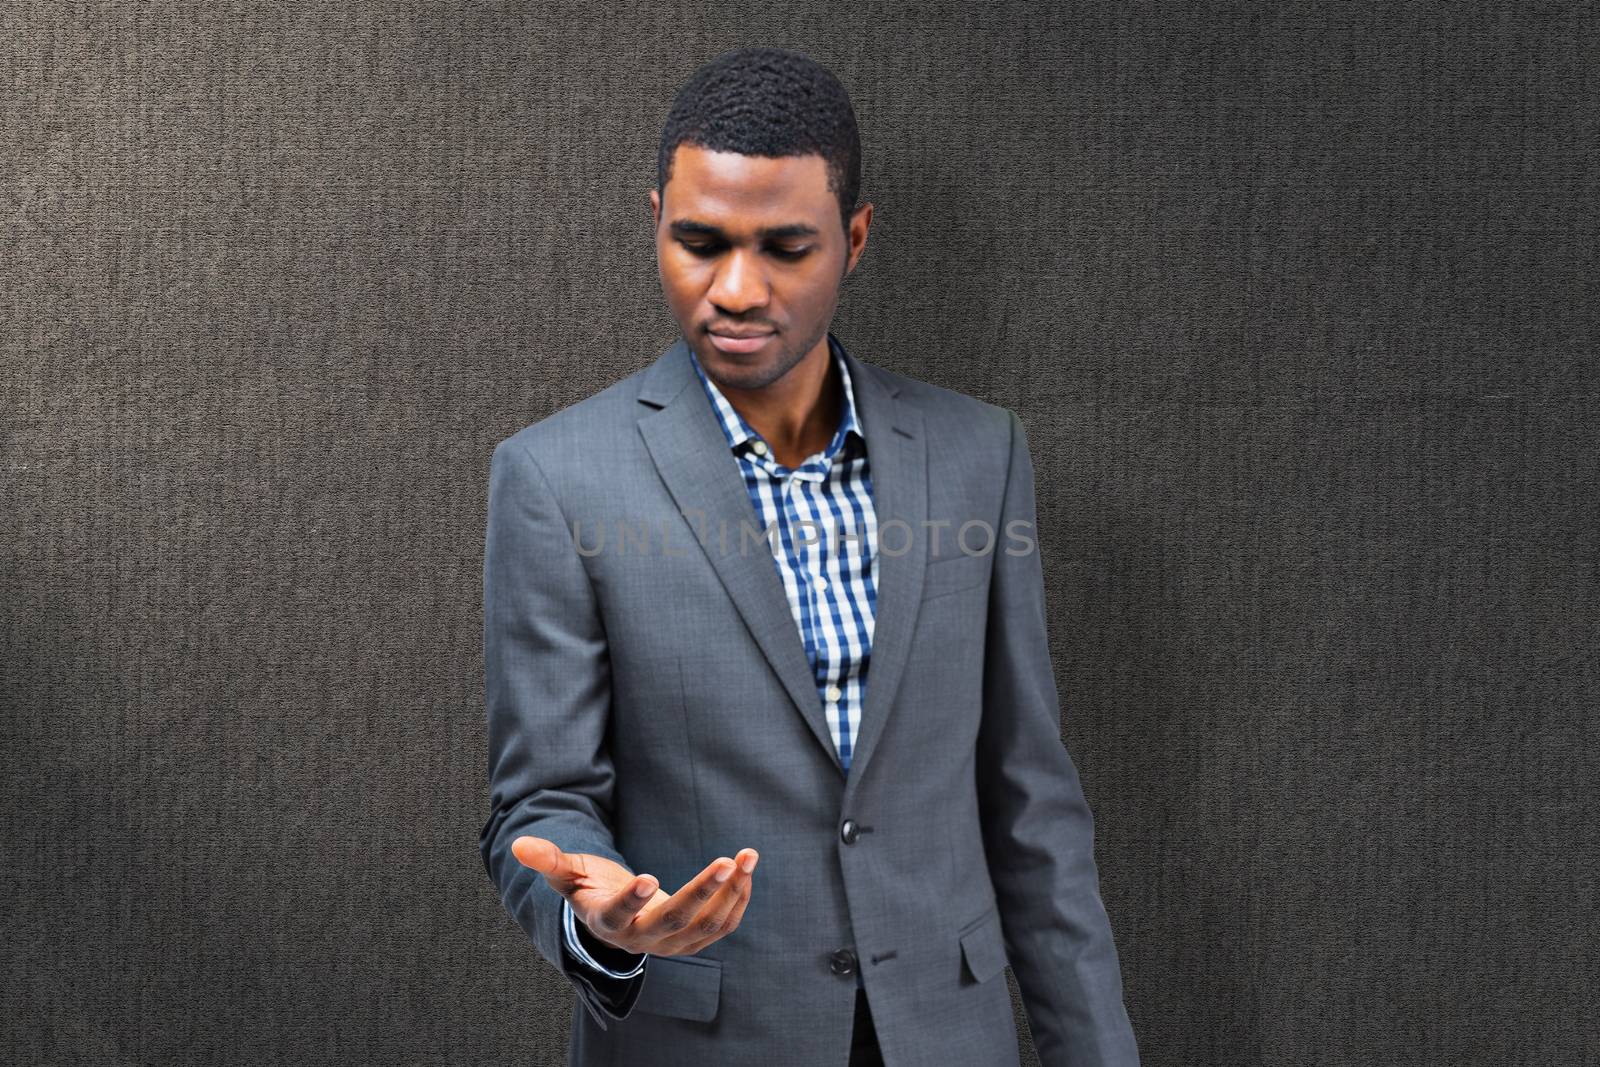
{"x": 740, "y": 342}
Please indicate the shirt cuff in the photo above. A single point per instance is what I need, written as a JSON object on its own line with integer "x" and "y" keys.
{"x": 569, "y": 922}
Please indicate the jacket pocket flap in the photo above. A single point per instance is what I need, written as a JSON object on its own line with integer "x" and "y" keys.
{"x": 954, "y": 573}
{"x": 984, "y": 947}
{"x": 684, "y": 987}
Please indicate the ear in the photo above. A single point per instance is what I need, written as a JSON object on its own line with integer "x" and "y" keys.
{"x": 860, "y": 223}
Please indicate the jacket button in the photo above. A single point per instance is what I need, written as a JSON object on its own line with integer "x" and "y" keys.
{"x": 842, "y": 962}
{"x": 849, "y": 831}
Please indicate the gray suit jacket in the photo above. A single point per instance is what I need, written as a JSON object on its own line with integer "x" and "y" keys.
{"x": 650, "y": 701}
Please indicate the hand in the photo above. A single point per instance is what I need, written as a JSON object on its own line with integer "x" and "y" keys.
{"x": 631, "y": 912}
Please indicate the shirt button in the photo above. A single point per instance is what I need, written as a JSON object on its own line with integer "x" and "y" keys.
{"x": 822, "y": 583}
{"x": 759, "y": 448}
{"x": 832, "y": 692}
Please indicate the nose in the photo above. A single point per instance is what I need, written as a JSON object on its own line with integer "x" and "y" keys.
{"x": 739, "y": 284}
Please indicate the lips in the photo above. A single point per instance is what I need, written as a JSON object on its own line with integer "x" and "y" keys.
{"x": 741, "y": 334}
{"x": 740, "y": 342}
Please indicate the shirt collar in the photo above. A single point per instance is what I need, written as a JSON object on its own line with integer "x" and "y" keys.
{"x": 738, "y": 431}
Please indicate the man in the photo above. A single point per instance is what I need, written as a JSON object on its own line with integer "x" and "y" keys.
{"x": 862, "y": 699}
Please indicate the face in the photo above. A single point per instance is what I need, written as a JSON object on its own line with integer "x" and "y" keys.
{"x": 751, "y": 245}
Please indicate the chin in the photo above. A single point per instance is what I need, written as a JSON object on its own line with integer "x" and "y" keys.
{"x": 709, "y": 352}
{"x": 738, "y": 372}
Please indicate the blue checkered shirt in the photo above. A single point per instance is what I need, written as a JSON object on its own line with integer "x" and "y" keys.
{"x": 826, "y": 554}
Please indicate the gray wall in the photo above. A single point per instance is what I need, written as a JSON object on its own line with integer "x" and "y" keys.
{"x": 1297, "y": 306}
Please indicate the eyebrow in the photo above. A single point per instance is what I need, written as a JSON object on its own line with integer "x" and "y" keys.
{"x": 682, "y": 227}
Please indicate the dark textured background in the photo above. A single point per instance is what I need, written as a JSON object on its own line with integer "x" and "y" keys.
{"x": 1298, "y": 308}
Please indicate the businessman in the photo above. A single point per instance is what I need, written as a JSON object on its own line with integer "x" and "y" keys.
{"x": 775, "y": 763}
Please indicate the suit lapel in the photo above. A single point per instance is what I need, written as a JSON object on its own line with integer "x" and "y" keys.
{"x": 898, "y": 465}
{"x": 692, "y": 457}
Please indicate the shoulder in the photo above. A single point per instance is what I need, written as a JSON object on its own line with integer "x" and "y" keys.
{"x": 952, "y": 416}
{"x": 581, "y": 433}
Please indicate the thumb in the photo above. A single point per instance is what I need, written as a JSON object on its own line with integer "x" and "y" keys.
{"x": 542, "y": 855}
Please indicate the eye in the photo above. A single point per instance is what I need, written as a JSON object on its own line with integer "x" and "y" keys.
{"x": 703, "y": 250}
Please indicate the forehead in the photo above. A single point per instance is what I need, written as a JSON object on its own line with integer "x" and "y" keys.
{"x": 727, "y": 188}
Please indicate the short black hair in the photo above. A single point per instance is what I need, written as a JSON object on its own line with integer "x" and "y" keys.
{"x": 764, "y": 101}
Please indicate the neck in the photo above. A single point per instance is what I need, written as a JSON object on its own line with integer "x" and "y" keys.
{"x": 797, "y": 414}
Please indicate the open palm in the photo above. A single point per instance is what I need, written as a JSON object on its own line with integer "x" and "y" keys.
{"x": 631, "y": 911}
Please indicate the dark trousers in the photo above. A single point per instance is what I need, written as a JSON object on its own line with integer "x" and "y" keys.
{"x": 863, "y": 1039}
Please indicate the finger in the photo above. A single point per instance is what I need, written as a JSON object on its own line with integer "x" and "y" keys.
{"x": 729, "y": 925}
{"x": 707, "y": 924}
{"x": 730, "y": 922}
{"x": 721, "y": 914}
{"x": 561, "y": 869}
{"x": 676, "y": 912}
{"x": 617, "y": 913}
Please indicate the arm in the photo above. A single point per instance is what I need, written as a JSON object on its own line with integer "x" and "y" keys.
{"x": 1038, "y": 830}
{"x": 547, "y": 689}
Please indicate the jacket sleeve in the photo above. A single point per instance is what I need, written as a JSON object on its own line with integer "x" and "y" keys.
{"x": 547, "y": 690}
{"x": 625, "y": 965}
{"x": 1038, "y": 830}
